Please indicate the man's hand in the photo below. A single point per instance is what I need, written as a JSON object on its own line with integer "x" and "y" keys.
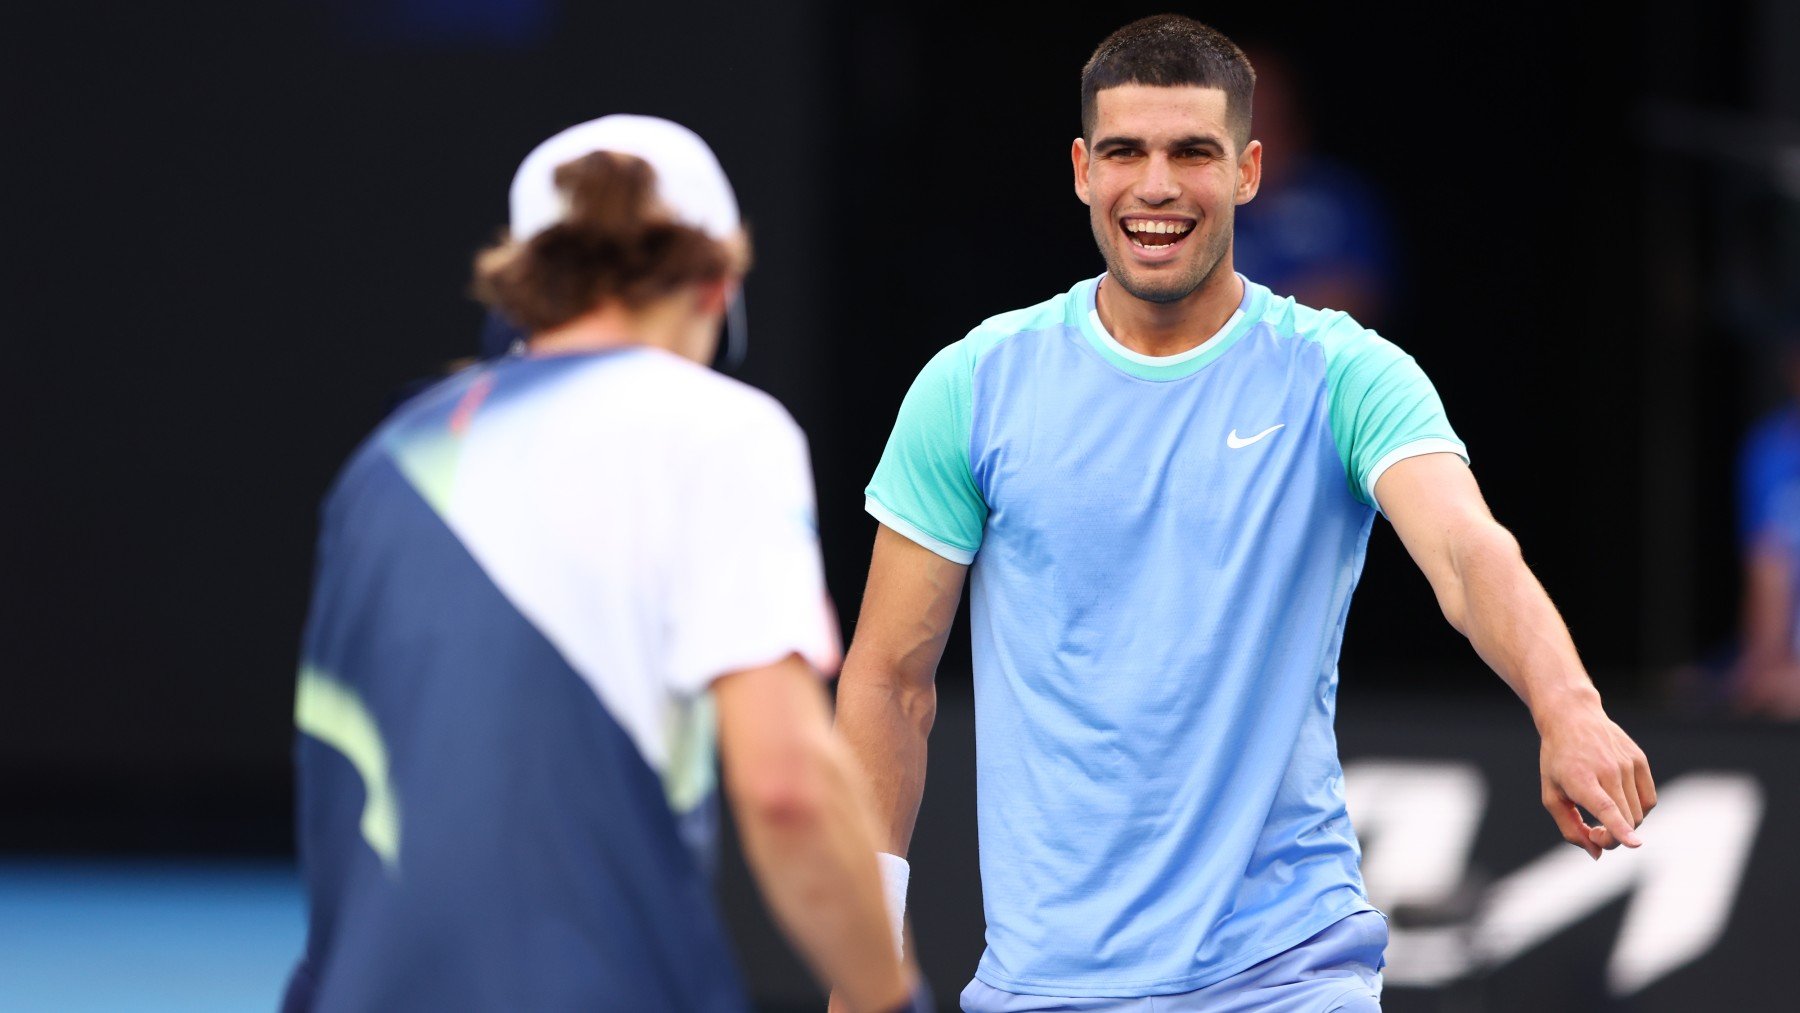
{"x": 1586, "y": 760}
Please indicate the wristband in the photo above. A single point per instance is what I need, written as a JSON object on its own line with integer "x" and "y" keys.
{"x": 894, "y": 875}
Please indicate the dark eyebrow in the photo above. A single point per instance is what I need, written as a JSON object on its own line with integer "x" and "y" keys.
{"x": 1191, "y": 141}
{"x": 1107, "y": 143}
{"x": 1200, "y": 141}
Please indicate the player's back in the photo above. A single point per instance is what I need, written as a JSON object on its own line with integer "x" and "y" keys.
{"x": 505, "y": 770}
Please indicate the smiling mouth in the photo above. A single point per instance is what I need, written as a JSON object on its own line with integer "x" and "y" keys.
{"x": 1156, "y": 233}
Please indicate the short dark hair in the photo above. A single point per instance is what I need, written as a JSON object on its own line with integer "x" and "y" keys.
{"x": 1169, "y": 50}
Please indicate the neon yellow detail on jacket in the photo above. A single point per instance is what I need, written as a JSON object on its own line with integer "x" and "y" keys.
{"x": 332, "y": 712}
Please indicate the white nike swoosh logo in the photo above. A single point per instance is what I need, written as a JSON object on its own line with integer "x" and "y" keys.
{"x": 1235, "y": 442}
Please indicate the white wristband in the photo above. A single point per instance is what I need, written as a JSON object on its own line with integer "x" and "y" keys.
{"x": 894, "y": 875}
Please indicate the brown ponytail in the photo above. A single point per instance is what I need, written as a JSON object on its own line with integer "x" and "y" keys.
{"x": 614, "y": 243}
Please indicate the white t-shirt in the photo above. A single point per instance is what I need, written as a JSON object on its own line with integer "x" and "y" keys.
{"x": 529, "y": 530}
{"x": 653, "y": 518}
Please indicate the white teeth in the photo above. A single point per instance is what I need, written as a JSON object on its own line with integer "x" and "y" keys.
{"x": 1160, "y": 228}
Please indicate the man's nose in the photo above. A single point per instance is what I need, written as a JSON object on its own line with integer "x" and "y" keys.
{"x": 1158, "y": 184}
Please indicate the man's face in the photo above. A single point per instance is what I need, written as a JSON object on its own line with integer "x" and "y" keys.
{"x": 1161, "y": 178}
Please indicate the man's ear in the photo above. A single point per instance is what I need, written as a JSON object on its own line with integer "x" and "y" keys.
{"x": 1078, "y": 155}
{"x": 712, "y": 296}
{"x": 1249, "y": 172}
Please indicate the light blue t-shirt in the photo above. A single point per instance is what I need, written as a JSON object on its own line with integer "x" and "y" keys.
{"x": 1163, "y": 554}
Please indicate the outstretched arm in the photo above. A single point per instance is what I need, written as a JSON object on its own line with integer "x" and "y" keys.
{"x": 807, "y": 832}
{"x": 1488, "y": 593}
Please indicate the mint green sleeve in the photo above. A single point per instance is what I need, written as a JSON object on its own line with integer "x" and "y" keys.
{"x": 1383, "y": 407}
{"x": 924, "y": 488}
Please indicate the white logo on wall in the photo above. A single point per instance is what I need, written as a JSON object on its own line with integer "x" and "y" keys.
{"x": 1417, "y": 821}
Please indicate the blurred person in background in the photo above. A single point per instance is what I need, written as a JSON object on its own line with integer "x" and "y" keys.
{"x": 542, "y": 585}
{"x": 1318, "y": 230}
{"x": 1767, "y": 677}
{"x": 1160, "y": 486}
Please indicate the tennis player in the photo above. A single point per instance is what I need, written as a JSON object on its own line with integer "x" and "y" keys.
{"x": 541, "y": 585}
{"x": 1161, "y": 483}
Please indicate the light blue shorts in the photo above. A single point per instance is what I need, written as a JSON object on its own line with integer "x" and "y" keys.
{"x": 1336, "y": 971}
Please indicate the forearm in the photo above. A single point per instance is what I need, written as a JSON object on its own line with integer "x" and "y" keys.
{"x": 1504, "y": 611}
{"x": 884, "y": 721}
{"x": 815, "y": 863}
{"x": 1585, "y": 760}
{"x": 887, "y": 695}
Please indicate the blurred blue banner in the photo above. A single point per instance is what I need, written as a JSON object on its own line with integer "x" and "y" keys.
{"x": 147, "y": 936}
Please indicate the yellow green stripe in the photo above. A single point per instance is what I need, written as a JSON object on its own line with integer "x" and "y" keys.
{"x": 428, "y": 460}
{"x": 332, "y": 712}
{"x": 689, "y": 777}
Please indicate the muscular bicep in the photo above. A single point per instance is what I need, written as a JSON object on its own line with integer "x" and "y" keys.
{"x": 1438, "y": 511}
{"x": 907, "y": 609}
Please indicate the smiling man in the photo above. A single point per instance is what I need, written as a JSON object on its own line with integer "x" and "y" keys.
{"x": 1161, "y": 484}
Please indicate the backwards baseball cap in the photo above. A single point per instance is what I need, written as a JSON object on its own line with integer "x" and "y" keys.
{"x": 689, "y": 182}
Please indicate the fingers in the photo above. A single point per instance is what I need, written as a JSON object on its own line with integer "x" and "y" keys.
{"x": 1627, "y": 794}
{"x": 1568, "y": 820}
{"x": 1646, "y": 785}
{"x": 1590, "y": 765}
{"x": 1606, "y": 806}
{"x": 1635, "y": 793}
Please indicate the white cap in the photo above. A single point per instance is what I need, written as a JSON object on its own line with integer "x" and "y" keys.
{"x": 689, "y": 180}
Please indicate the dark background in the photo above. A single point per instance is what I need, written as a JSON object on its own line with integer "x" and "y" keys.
{"x": 237, "y": 230}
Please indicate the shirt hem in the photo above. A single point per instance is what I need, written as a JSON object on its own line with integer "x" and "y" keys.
{"x": 823, "y": 660}
{"x": 1172, "y": 986}
{"x": 880, "y": 512}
